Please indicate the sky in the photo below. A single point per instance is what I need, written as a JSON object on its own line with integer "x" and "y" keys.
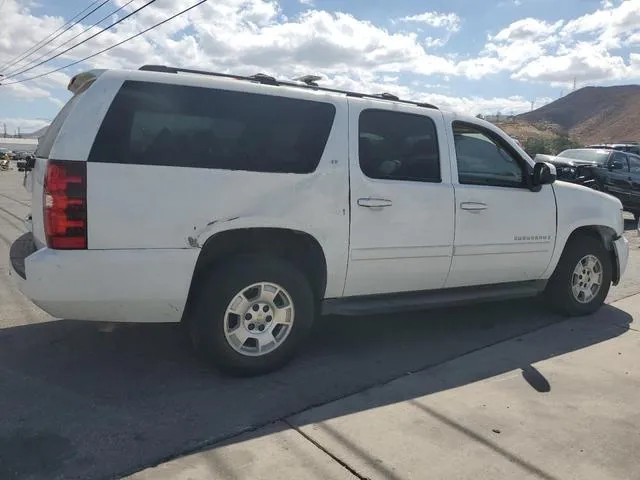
{"x": 469, "y": 56}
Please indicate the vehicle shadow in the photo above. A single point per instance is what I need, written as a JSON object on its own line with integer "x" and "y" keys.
{"x": 83, "y": 401}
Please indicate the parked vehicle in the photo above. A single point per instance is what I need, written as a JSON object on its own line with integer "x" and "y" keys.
{"x": 4, "y": 164}
{"x": 245, "y": 206}
{"x": 5, "y": 154}
{"x": 630, "y": 147}
{"x": 611, "y": 171}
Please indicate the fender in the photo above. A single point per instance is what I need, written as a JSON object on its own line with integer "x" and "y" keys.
{"x": 335, "y": 253}
{"x": 577, "y": 207}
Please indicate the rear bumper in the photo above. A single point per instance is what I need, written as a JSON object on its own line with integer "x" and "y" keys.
{"x": 104, "y": 285}
{"x": 621, "y": 249}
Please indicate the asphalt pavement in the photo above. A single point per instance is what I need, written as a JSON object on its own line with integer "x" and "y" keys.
{"x": 82, "y": 400}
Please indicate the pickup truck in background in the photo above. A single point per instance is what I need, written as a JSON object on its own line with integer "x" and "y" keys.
{"x": 612, "y": 171}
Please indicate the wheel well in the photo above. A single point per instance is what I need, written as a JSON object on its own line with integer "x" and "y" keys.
{"x": 299, "y": 248}
{"x": 606, "y": 236}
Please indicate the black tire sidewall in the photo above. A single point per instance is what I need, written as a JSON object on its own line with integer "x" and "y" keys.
{"x": 559, "y": 287}
{"x": 218, "y": 289}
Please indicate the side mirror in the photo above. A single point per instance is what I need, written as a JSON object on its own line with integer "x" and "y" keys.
{"x": 543, "y": 174}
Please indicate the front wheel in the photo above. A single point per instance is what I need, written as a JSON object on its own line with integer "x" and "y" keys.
{"x": 251, "y": 314}
{"x": 582, "y": 278}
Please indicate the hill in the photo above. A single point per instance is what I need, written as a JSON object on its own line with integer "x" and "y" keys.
{"x": 593, "y": 114}
{"x": 37, "y": 133}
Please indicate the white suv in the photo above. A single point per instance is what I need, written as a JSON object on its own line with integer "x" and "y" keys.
{"x": 246, "y": 206}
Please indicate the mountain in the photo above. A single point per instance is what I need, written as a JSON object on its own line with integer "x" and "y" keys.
{"x": 593, "y": 114}
{"x": 37, "y": 133}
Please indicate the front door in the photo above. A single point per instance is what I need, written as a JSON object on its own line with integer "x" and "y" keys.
{"x": 504, "y": 231}
{"x": 402, "y": 206}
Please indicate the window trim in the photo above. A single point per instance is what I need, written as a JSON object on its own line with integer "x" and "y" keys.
{"x": 496, "y": 138}
{"x": 401, "y": 179}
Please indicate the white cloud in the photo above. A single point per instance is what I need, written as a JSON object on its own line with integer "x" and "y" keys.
{"x": 309, "y": 3}
{"x": 249, "y": 36}
{"x": 450, "y": 21}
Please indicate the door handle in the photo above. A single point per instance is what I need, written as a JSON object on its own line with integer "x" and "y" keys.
{"x": 374, "y": 202}
{"x": 473, "y": 206}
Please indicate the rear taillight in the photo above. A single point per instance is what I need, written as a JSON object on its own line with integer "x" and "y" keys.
{"x": 65, "y": 205}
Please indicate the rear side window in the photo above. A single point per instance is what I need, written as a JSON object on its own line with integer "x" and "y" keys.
{"x": 182, "y": 126}
{"x": 398, "y": 146}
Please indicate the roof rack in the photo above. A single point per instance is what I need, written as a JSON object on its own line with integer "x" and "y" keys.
{"x": 306, "y": 82}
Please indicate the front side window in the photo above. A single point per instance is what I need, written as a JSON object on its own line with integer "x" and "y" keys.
{"x": 183, "y": 126}
{"x": 619, "y": 162}
{"x": 483, "y": 159}
{"x": 398, "y": 146}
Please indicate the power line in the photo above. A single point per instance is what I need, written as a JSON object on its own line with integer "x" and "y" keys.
{"x": 108, "y": 48}
{"x": 45, "y": 41}
{"x": 108, "y": 27}
{"x": 66, "y": 42}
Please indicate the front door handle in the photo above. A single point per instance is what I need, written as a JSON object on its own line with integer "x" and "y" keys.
{"x": 473, "y": 206}
{"x": 374, "y": 202}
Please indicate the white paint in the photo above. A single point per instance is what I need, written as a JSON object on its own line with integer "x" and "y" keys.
{"x": 407, "y": 245}
{"x": 146, "y": 223}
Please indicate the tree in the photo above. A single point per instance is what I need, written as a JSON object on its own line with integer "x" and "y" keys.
{"x": 533, "y": 146}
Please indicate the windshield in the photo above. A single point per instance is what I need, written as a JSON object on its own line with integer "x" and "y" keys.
{"x": 595, "y": 156}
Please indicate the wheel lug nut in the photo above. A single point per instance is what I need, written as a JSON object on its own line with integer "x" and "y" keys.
{"x": 251, "y": 326}
{"x": 269, "y": 318}
{"x": 261, "y": 328}
{"x": 247, "y": 316}
{"x": 265, "y": 308}
{"x": 256, "y": 307}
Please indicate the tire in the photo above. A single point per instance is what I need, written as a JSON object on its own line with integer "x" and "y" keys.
{"x": 217, "y": 332}
{"x": 560, "y": 291}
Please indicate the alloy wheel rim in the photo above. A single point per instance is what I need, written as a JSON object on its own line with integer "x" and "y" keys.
{"x": 259, "y": 319}
{"x": 586, "y": 280}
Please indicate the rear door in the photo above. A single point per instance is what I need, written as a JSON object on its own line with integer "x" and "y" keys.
{"x": 617, "y": 181}
{"x": 402, "y": 205}
{"x": 634, "y": 176}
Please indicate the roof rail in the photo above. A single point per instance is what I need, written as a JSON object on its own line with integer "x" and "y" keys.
{"x": 269, "y": 80}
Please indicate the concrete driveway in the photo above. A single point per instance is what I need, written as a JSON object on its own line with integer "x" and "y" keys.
{"x": 83, "y": 401}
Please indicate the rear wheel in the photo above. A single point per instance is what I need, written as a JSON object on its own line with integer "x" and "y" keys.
{"x": 582, "y": 278}
{"x": 251, "y": 314}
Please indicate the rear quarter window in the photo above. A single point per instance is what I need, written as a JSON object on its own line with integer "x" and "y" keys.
{"x": 183, "y": 126}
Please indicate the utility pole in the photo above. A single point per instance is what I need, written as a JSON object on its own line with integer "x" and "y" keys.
{"x": 5, "y": 129}
{"x": 19, "y": 136}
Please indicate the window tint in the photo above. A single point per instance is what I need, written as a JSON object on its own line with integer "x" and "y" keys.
{"x": 619, "y": 162}
{"x": 175, "y": 125}
{"x": 634, "y": 163}
{"x": 398, "y": 146}
{"x": 483, "y": 161}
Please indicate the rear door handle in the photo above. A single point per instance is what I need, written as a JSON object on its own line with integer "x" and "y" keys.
{"x": 374, "y": 202}
{"x": 473, "y": 206}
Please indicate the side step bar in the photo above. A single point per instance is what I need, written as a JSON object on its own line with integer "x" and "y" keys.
{"x": 376, "y": 304}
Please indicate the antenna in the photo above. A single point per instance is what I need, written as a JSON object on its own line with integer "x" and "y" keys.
{"x": 574, "y": 84}
{"x": 533, "y": 103}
